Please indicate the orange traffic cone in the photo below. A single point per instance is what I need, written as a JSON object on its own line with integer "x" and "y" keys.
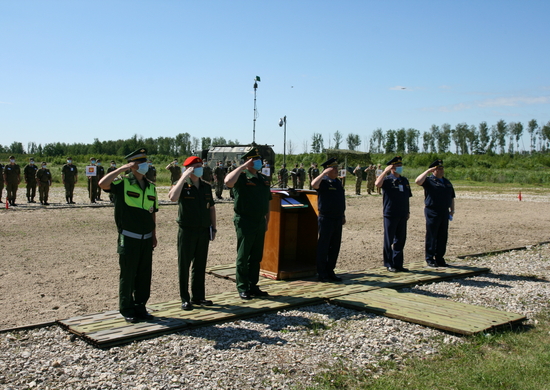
{"x": 519, "y": 196}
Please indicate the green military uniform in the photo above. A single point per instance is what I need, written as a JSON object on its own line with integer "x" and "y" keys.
{"x": 193, "y": 238}
{"x": 175, "y": 172}
{"x": 100, "y": 173}
{"x": 313, "y": 172}
{"x": 69, "y": 174}
{"x": 283, "y": 177}
{"x": 231, "y": 168}
{"x": 151, "y": 174}
{"x": 109, "y": 170}
{"x": 294, "y": 174}
{"x": 134, "y": 208}
{"x": 358, "y": 172}
{"x": 371, "y": 178}
{"x": 44, "y": 178}
{"x": 29, "y": 173}
{"x": 207, "y": 175}
{"x": 301, "y": 176}
{"x": 92, "y": 183}
{"x": 12, "y": 178}
{"x": 219, "y": 176}
{"x": 252, "y": 196}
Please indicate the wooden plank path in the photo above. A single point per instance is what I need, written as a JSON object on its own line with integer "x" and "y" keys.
{"x": 371, "y": 290}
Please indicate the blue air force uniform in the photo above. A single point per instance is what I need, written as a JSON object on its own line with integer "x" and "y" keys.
{"x": 396, "y": 194}
{"x": 439, "y": 195}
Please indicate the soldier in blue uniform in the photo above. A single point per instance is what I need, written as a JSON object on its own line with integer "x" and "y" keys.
{"x": 331, "y": 203}
{"x": 396, "y": 194}
{"x": 252, "y": 195}
{"x": 136, "y": 203}
{"x": 439, "y": 198}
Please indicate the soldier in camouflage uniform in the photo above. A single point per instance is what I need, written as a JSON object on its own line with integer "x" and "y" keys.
{"x": 219, "y": 176}
{"x": 313, "y": 172}
{"x": 283, "y": 177}
{"x": 358, "y": 172}
{"x": 371, "y": 177}
{"x": 29, "y": 172}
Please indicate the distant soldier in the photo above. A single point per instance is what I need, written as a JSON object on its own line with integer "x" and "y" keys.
{"x": 378, "y": 173}
{"x": 219, "y": 176}
{"x": 29, "y": 173}
{"x": 283, "y": 177}
{"x": 100, "y": 174}
{"x": 69, "y": 176}
{"x": 294, "y": 175}
{"x": 175, "y": 172}
{"x": 313, "y": 172}
{"x": 92, "y": 182}
{"x": 358, "y": 172}
{"x": 371, "y": 178}
{"x": 12, "y": 178}
{"x": 230, "y": 168}
{"x": 109, "y": 170}
{"x": 151, "y": 174}
{"x": 207, "y": 175}
{"x": 44, "y": 179}
{"x": 1, "y": 181}
{"x": 301, "y": 175}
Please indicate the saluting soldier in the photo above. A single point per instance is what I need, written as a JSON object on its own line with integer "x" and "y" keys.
{"x": 219, "y": 176}
{"x": 396, "y": 194}
{"x": 283, "y": 177}
{"x": 252, "y": 196}
{"x": 331, "y": 203}
{"x": 29, "y": 173}
{"x": 439, "y": 199}
{"x": 12, "y": 178}
{"x": 175, "y": 171}
{"x": 44, "y": 178}
{"x": 100, "y": 173}
{"x": 69, "y": 176}
{"x": 136, "y": 203}
{"x": 197, "y": 226}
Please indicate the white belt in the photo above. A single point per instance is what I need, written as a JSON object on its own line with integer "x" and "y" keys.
{"x": 136, "y": 235}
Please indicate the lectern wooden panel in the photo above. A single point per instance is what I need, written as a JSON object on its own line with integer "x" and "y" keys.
{"x": 291, "y": 238}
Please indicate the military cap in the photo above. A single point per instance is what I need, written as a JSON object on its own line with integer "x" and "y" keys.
{"x": 252, "y": 153}
{"x": 113, "y": 162}
{"x": 11, "y": 157}
{"x": 436, "y": 163}
{"x": 44, "y": 163}
{"x": 331, "y": 162}
{"x": 31, "y": 159}
{"x": 192, "y": 160}
{"x": 395, "y": 161}
{"x": 92, "y": 158}
{"x": 139, "y": 155}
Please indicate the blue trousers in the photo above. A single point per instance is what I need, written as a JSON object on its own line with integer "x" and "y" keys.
{"x": 395, "y": 235}
{"x": 328, "y": 245}
{"x": 437, "y": 226}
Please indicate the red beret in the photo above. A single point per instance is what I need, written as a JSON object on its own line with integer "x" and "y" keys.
{"x": 192, "y": 160}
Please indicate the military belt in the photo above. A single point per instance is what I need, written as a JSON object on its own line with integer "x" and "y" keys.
{"x": 136, "y": 235}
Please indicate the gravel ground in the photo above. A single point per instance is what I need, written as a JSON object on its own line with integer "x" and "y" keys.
{"x": 273, "y": 351}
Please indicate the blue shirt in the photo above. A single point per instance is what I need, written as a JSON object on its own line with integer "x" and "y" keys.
{"x": 438, "y": 193}
{"x": 397, "y": 192}
{"x": 331, "y": 200}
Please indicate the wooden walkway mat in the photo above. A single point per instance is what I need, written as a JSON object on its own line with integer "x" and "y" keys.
{"x": 109, "y": 328}
{"x": 429, "y": 311}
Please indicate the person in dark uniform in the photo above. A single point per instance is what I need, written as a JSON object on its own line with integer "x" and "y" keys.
{"x": 69, "y": 176}
{"x": 29, "y": 174}
{"x": 313, "y": 172}
{"x": 439, "y": 199}
{"x": 136, "y": 203}
{"x": 207, "y": 173}
{"x": 100, "y": 173}
{"x": 283, "y": 177}
{"x": 396, "y": 194}
{"x": 12, "y": 178}
{"x": 219, "y": 176}
{"x": 197, "y": 226}
{"x": 93, "y": 182}
{"x": 301, "y": 176}
{"x": 175, "y": 171}
{"x": 252, "y": 196}
{"x": 109, "y": 170}
{"x": 151, "y": 174}
{"x": 1, "y": 181}
{"x": 331, "y": 203}
{"x": 44, "y": 179}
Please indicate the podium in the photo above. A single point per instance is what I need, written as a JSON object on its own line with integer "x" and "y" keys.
{"x": 290, "y": 246}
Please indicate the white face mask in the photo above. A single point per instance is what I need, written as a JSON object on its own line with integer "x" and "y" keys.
{"x": 43, "y": 167}
{"x": 12, "y": 160}
{"x": 143, "y": 168}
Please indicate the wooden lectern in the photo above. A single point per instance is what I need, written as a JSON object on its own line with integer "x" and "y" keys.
{"x": 291, "y": 239}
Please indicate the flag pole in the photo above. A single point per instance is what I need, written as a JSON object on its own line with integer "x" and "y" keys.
{"x": 255, "y": 110}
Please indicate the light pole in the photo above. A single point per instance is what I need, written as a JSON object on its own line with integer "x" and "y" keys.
{"x": 256, "y": 79}
{"x": 282, "y": 122}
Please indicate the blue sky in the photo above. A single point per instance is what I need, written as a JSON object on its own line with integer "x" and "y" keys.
{"x": 72, "y": 71}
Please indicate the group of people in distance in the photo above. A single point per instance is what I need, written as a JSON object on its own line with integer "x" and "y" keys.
{"x": 34, "y": 176}
{"x": 136, "y": 203}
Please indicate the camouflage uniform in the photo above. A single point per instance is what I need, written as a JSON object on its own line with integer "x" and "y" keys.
{"x": 358, "y": 172}
{"x": 313, "y": 172}
{"x": 371, "y": 178}
{"x": 219, "y": 176}
{"x": 283, "y": 177}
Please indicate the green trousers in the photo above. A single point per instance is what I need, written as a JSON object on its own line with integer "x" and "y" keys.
{"x": 136, "y": 263}
{"x": 192, "y": 249}
{"x": 250, "y": 249}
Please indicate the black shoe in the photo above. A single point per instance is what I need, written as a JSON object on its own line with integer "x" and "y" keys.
{"x": 132, "y": 320}
{"x": 13, "y": 204}
{"x": 202, "y": 302}
{"x": 259, "y": 293}
{"x": 186, "y": 306}
{"x": 431, "y": 263}
{"x": 402, "y": 269}
{"x": 46, "y": 204}
{"x": 335, "y": 278}
{"x": 145, "y": 316}
{"x": 392, "y": 269}
{"x": 245, "y": 295}
{"x": 73, "y": 202}
{"x": 441, "y": 263}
